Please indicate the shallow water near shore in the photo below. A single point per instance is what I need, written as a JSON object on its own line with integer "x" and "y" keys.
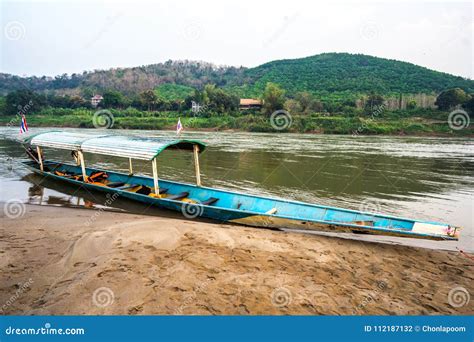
{"x": 414, "y": 177}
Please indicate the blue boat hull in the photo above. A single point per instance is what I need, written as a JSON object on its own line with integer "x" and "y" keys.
{"x": 254, "y": 210}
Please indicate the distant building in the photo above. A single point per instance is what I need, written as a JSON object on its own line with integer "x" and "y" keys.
{"x": 95, "y": 100}
{"x": 250, "y": 104}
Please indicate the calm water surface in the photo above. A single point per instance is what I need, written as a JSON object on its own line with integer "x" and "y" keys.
{"x": 414, "y": 177}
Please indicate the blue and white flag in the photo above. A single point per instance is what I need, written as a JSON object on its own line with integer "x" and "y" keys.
{"x": 23, "y": 125}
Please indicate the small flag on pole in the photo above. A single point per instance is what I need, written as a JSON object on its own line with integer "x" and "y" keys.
{"x": 23, "y": 125}
{"x": 179, "y": 127}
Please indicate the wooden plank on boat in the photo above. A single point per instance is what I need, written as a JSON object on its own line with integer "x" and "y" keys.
{"x": 179, "y": 196}
{"x": 210, "y": 201}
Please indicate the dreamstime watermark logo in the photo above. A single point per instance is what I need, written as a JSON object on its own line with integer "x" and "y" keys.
{"x": 371, "y": 297}
{"x": 370, "y": 205}
{"x": 458, "y": 119}
{"x": 192, "y": 210}
{"x": 103, "y": 119}
{"x": 188, "y": 300}
{"x": 458, "y": 297}
{"x": 102, "y": 297}
{"x": 107, "y": 203}
{"x": 47, "y": 329}
{"x": 192, "y": 30}
{"x": 14, "y": 30}
{"x": 369, "y": 30}
{"x": 281, "y": 297}
{"x": 281, "y": 120}
{"x": 21, "y": 289}
{"x": 287, "y": 20}
{"x": 14, "y": 209}
{"x": 376, "y": 111}
{"x": 109, "y": 21}
{"x": 197, "y": 108}
{"x": 22, "y": 110}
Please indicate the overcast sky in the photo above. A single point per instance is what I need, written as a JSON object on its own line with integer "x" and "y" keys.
{"x": 50, "y": 38}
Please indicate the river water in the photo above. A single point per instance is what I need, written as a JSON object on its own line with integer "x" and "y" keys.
{"x": 428, "y": 178}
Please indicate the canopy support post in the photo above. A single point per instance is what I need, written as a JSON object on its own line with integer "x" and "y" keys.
{"x": 155, "y": 176}
{"x": 40, "y": 159}
{"x": 75, "y": 155}
{"x": 83, "y": 165}
{"x": 196, "y": 164}
{"x": 130, "y": 167}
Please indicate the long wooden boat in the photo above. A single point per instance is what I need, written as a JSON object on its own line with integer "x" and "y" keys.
{"x": 197, "y": 200}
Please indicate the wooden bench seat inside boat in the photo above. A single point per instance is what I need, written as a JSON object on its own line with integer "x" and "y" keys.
{"x": 140, "y": 189}
{"x": 210, "y": 201}
{"x": 115, "y": 184}
{"x": 127, "y": 186}
{"x": 179, "y": 196}
{"x": 143, "y": 190}
{"x": 146, "y": 190}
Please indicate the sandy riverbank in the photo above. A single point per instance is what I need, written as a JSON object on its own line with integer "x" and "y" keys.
{"x": 73, "y": 261}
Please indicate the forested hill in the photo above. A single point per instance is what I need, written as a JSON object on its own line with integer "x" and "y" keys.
{"x": 320, "y": 74}
{"x": 343, "y": 72}
{"x": 128, "y": 80}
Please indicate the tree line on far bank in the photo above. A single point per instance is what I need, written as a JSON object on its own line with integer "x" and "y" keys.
{"x": 213, "y": 100}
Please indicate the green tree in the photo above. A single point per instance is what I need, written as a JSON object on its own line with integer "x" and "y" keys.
{"x": 305, "y": 100}
{"x": 149, "y": 99}
{"x": 2, "y": 105}
{"x": 113, "y": 99}
{"x": 411, "y": 104}
{"x": 293, "y": 106}
{"x": 451, "y": 98}
{"x": 308, "y": 103}
{"x": 211, "y": 99}
{"x": 469, "y": 106}
{"x": 374, "y": 101}
{"x": 87, "y": 93}
{"x": 273, "y": 98}
{"x": 218, "y": 100}
{"x": 77, "y": 101}
{"x": 19, "y": 100}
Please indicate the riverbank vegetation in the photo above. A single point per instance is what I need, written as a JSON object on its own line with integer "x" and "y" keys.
{"x": 218, "y": 110}
{"x": 407, "y": 122}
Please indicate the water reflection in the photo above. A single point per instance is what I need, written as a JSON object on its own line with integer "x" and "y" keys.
{"x": 45, "y": 191}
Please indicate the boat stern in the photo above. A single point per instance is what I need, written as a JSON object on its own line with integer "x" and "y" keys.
{"x": 444, "y": 232}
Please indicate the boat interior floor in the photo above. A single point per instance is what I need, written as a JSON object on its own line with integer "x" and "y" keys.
{"x": 100, "y": 178}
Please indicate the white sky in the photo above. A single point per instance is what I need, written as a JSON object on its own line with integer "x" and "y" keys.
{"x": 55, "y": 37}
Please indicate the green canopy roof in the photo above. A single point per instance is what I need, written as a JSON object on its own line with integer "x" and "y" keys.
{"x": 145, "y": 148}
